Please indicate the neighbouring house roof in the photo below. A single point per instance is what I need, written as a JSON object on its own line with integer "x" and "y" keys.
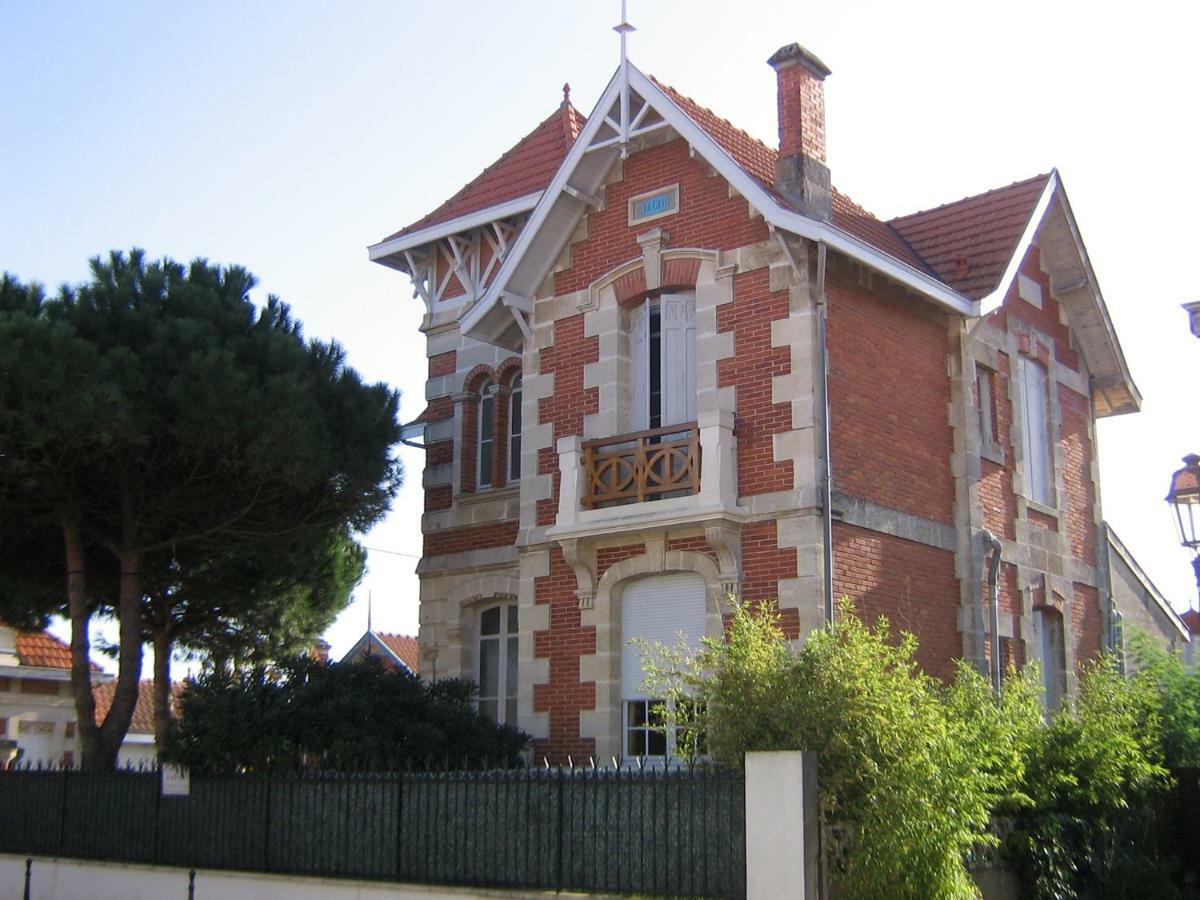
{"x": 393, "y": 649}
{"x": 1191, "y": 619}
{"x": 44, "y": 650}
{"x": 143, "y": 711}
{"x": 1179, "y": 622}
{"x": 40, "y": 648}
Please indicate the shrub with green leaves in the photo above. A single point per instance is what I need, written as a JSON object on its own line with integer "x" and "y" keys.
{"x": 1090, "y": 777}
{"x": 909, "y": 770}
{"x": 304, "y": 714}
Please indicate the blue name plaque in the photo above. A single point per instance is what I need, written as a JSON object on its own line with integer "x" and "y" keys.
{"x": 653, "y": 205}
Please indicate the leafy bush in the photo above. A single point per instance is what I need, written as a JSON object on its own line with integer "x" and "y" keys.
{"x": 908, "y": 771}
{"x": 1090, "y": 778}
{"x": 911, "y": 771}
{"x": 1173, "y": 693}
{"x": 308, "y": 714}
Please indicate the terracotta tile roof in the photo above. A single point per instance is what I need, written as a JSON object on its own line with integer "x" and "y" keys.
{"x": 143, "y": 711}
{"x": 969, "y": 243}
{"x": 527, "y": 167}
{"x": 758, "y": 160}
{"x": 40, "y": 648}
{"x": 403, "y": 646}
{"x": 748, "y": 152}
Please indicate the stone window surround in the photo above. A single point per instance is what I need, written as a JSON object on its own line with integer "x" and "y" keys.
{"x": 604, "y": 721}
{"x": 1046, "y": 571}
{"x": 501, "y": 378}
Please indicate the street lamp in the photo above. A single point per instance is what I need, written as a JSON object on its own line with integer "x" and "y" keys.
{"x": 1185, "y": 497}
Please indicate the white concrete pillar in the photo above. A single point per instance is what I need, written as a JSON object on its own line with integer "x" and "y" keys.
{"x": 781, "y": 825}
{"x": 570, "y": 480}
{"x": 718, "y": 462}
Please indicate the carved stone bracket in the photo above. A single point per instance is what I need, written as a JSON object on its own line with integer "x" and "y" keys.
{"x": 726, "y": 541}
{"x": 581, "y": 558}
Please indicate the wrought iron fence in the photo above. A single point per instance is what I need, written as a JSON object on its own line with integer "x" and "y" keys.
{"x": 674, "y": 832}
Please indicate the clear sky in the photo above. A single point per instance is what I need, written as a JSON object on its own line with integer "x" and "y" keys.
{"x": 287, "y": 136}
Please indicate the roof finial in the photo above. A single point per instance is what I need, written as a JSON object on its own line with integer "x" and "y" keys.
{"x": 566, "y": 92}
{"x": 623, "y": 30}
{"x": 369, "y": 604}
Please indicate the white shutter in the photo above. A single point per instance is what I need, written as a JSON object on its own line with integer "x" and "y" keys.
{"x": 1037, "y": 437}
{"x": 678, "y": 324}
{"x": 659, "y": 608}
{"x": 639, "y": 366}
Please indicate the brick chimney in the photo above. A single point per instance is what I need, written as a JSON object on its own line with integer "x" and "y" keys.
{"x": 800, "y": 173}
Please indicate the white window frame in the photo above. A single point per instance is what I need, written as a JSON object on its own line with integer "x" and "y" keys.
{"x": 506, "y": 639}
{"x": 514, "y": 431}
{"x": 485, "y": 437}
{"x": 1038, "y": 440}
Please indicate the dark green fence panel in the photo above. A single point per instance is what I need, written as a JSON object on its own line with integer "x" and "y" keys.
{"x": 219, "y": 825}
{"x": 110, "y": 815}
{"x": 661, "y": 832}
{"x": 31, "y": 805}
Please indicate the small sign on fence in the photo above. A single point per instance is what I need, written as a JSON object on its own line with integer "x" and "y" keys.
{"x": 176, "y": 781}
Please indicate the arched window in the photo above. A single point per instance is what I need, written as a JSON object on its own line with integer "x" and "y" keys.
{"x": 498, "y": 663}
{"x": 655, "y": 609}
{"x": 514, "y": 431}
{"x": 486, "y": 443}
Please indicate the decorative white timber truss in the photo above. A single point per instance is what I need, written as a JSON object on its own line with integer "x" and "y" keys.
{"x": 630, "y": 115}
{"x": 433, "y": 266}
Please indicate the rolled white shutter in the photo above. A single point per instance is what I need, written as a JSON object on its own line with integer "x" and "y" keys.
{"x": 659, "y": 608}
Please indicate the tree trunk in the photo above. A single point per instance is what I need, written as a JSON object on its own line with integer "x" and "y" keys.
{"x": 81, "y": 645}
{"x": 129, "y": 670}
{"x": 163, "y": 645}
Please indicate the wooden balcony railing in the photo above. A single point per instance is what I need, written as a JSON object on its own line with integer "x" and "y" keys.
{"x": 644, "y": 465}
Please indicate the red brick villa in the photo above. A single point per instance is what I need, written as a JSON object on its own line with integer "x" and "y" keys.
{"x": 668, "y": 362}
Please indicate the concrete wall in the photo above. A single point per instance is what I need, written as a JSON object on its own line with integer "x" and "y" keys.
{"x": 59, "y": 879}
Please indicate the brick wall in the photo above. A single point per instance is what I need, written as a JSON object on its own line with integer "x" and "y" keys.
{"x": 763, "y": 563}
{"x": 912, "y": 584}
{"x": 754, "y": 364}
{"x": 708, "y": 216}
{"x": 890, "y": 437}
{"x": 569, "y": 403}
{"x": 471, "y": 537}
{"x": 996, "y": 498}
{"x": 1046, "y": 320}
{"x": 564, "y": 696}
{"x": 1075, "y": 456}
{"x": 606, "y": 557}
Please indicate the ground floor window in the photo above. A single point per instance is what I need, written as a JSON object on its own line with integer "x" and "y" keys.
{"x": 661, "y": 609}
{"x": 498, "y": 663}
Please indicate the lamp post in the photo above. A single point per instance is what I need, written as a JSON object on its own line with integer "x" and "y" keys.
{"x": 1185, "y": 497}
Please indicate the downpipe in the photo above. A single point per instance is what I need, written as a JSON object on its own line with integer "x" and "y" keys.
{"x": 826, "y": 463}
{"x": 992, "y": 543}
